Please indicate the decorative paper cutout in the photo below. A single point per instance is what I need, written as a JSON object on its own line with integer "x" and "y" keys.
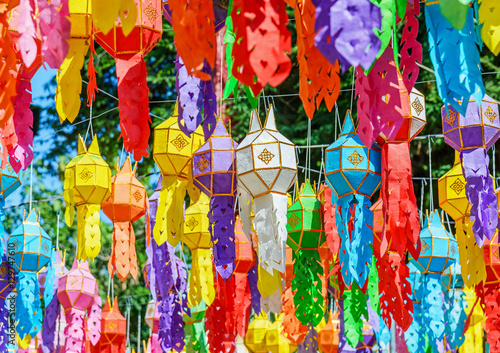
{"x": 411, "y": 49}
{"x": 126, "y": 204}
{"x": 87, "y": 183}
{"x": 214, "y": 173}
{"x": 129, "y": 52}
{"x": 488, "y": 18}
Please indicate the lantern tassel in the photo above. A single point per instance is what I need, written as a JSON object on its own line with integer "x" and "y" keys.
{"x": 471, "y": 255}
{"x": 201, "y": 282}
{"x": 94, "y": 320}
{"x": 8, "y": 141}
{"x": 308, "y": 298}
{"x": 291, "y": 327}
{"x": 28, "y": 305}
{"x": 433, "y": 306}
{"x": 242, "y": 303}
{"x": 354, "y": 223}
{"x": 134, "y": 104}
{"x": 455, "y": 318}
{"x": 91, "y": 75}
{"x": 416, "y": 333}
{"x": 395, "y": 290}
{"x": 270, "y": 226}
{"x": 123, "y": 257}
{"x": 221, "y": 217}
{"x": 4, "y": 322}
{"x": 399, "y": 202}
{"x": 480, "y": 193}
{"x": 89, "y": 233}
{"x": 52, "y": 312}
{"x": 21, "y": 154}
{"x": 75, "y": 331}
{"x": 354, "y": 307}
{"x": 169, "y": 224}
{"x": 69, "y": 81}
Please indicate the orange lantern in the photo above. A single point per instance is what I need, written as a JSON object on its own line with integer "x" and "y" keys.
{"x": 129, "y": 52}
{"x": 113, "y": 330}
{"x": 328, "y": 336}
{"x": 126, "y": 204}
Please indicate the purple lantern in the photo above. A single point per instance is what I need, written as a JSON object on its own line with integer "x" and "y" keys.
{"x": 214, "y": 172}
{"x": 473, "y": 135}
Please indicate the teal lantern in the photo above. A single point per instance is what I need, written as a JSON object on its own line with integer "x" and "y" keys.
{"x": 10, "y": 181}
{"x": 353, "y": 172}
{"x": 31, "y": 248}
{"x": 439, "y": 250}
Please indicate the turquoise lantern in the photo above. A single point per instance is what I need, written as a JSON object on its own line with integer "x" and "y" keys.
{"x": 31, "y": 248}
{"x": 353, "y": 172}
{"x": 439, "y": 250}
{"x": 10, "y": 181}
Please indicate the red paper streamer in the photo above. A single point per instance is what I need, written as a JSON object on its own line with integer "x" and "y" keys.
{"x": 411, "y": 49}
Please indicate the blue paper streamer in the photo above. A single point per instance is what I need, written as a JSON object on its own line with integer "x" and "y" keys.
{"x": 50, "y": 288}
{"x": 455, "y": 56}
{"x": 433, "y": 308}
{"x": 455, "y": 317}
{"x": 416, "y": 334}
{"x": 28, "y": 310}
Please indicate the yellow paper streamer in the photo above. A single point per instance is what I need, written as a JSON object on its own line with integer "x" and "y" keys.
{"x": 489, "y": 17}
{"x": 268, "y": 284}
{"x": 471, "y": 255}
{"x": 474, "y": 335}
{"x": 201, "y": 282}
{"x": 69, "y": 81}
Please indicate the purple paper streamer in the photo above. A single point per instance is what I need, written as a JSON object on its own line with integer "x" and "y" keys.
{"x": 253, "y": 277}
{"x": 195, "y": 95}
{"x": 480, "y": 193}
{"x": 4, "y": 338}
{"x": 347, "y": 27}
{"x": 344, "y": 347}
{"x": 49, "y": 325}
{"x": 221, "y": 215}
{"x": 180, "y": 306}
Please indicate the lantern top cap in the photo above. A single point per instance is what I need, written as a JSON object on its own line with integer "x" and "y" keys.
{"x": 220, "y": 128}
{"x": 348, "y": 126}
{"x": 32, "y": 217}
{"x": 109, "y": 307}
{"x": 270, "y": 123}
{"x": 93, "y": 149}
{"x": 307, "y": 189}
{"x": 126, "y": 167}
{"x": 84, "y": 265}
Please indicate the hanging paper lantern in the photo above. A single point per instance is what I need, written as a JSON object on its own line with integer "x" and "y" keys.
{"x": 113, "y": 329}
{"x": 243, "y": 263}
{"x": 438, "y": 251}
{"x": 152, "y": 319}
{"x": 194, "y": 329}
{"x": 87, "y": 183}
{"x": 129, "y": 52}
{"x": 48, "y": 279}
{"x": 172, "y": 152}
{"x": 275, "y": 341}
{"x": 328, "y": 336}
{"x": 334, "y": 38}
{"x": 453, "y": 200}
{"x": 458, "y": 72}
{"x": 30, "y": 248}
{"x": 69, "y": 79}
{"x": 9, "y": 182}
{"x": 78, "y": 293}
{"x": 214, "y": 173}
{"x": 267, "y": 169}
{"x": 472, "y": 135}
{"x": 255, "y": 339}
{"x": 267, "y": 38}
{"x": 197, "y": 237}
{"x": 305, "y": 236}
{"x": 353, "y": 172}
{"x": 126, "y": 204}
{"x": 104, "y": 16}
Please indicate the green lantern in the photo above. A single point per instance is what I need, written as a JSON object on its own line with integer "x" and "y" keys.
{"x": 305, "y": 236}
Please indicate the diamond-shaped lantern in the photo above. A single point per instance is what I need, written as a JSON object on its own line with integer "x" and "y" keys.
{"x": 113, "y": 328}
{"x": 152, "y": 317}
{"x": 172, "y": 152}
{"x": 305, "y": 237}
{"x": 214, "y": 173}
{"x": 126, "y": 204}
{"x": 87, "y": 183}
{"x": 255, "y": 338}
{"x": 353, "y": 172}
{"x": 473, "y": 135}
{"x": 78, "y": 293}
{"x": 129, "y": 52}
{"x": 328, "y": 336}
{"x": 197, "y": 237}
{"x": 453, "y": 200}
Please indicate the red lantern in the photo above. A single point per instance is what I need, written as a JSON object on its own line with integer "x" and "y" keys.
{"x": 129, "y": 52}
{"x": 113, "y": 329}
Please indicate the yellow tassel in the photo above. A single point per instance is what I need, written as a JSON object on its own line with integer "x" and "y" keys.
{"x": 471, "y": 256}
{"x": 267, "y": 283}
{"x": 69, "y": 81}
{"x": 89, "y": 233}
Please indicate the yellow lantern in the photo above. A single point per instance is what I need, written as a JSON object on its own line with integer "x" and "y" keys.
{"x": 255, "y": 339}
{"x": 197, "y": 238}
{"x": 275, "y": 341}
{"x": 87, "y": 183}
{"x": 172, "y": 152}
{"x": 69, "y": 78}
{"x": 453, "y": 200}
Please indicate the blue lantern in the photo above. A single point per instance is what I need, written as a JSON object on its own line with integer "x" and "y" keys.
{"x": 31, "y": 248}
{"x": 439, "y": 250}
{"x": 353, "y": 172}
{"x": 9, "y": 182}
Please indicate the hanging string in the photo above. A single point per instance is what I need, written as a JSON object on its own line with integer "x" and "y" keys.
{"x": 352, "y": 88}
{"x": 431, "y": 204}
{"x": 448, "y": 222}
{"x": 31, "y": 184}
{"x": 493, "y": 149}
{"x": 308, "y": 163}
{"x": 221, "y": 71}
{"x": 322, "y": 166}
{"x": 424, "y": 182}
{"x": 109, "y": 284}
{"x": 139, "y": 333}
{"x": 57, "y": 232}
{"x": 129, "y": 304}
{"x": 112, "y": 290}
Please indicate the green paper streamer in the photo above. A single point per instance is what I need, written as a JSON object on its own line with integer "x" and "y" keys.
{"x": 354, "y": 309}
{"x": 308, "y": 299}
{"x": 373, "y": 293}
{"x": 232, "y": 82}
{"x": 388, "y": 27}
{"x": 401, "y": 8}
